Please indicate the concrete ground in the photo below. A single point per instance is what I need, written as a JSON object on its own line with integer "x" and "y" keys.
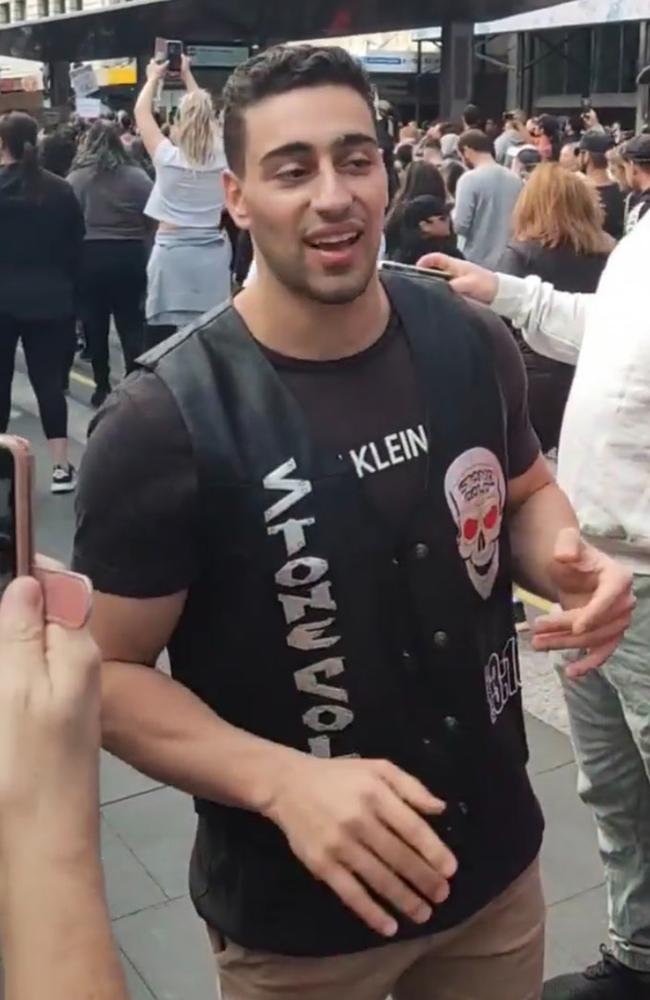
{"x": 147, "y": 829}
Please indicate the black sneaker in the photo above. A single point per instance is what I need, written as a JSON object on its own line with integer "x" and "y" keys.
{"x": 63, "y": 480}
{"x": 99, "y": 396}
{"x": 608, "y": 979}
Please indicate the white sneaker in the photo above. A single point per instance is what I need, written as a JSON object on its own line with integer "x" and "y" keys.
{"x": 63, "y": 480}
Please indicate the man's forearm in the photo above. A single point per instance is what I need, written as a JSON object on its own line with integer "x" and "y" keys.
{"x": 552, "y": 322}
{"x": 534, "y": 528}
{"x": 55, "y": 927}
{"x": 165, "y": 731}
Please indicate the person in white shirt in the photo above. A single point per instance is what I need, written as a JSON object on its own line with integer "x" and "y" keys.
{"x": 604, "y": 468}
{"x": 189, "y": 268}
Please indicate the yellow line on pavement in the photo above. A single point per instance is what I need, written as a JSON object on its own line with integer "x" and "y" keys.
{"x": 533, "y": 600}
{"x": 82, "y": 379}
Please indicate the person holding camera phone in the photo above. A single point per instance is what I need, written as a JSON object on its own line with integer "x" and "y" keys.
{"x": 189, "y": 268}
{"x": 55, "y": 931}
{"x": 514, "y": 134}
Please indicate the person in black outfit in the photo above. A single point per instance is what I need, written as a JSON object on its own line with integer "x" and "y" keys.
{"x": 592, "y": 155}
{"x": 57, "y": 150}
{"x": 112, "y": 192}
{"x": 426, "y": 228}
{"x": 331, "y": 483}
{"x": 559, "y": 236}
{"x": 41, "y": 230}
{"x": 420, "y": 178}
{"x": 636, "y": 157}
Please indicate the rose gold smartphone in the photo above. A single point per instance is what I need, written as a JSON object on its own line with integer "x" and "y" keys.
{"x": 67, "y": 596}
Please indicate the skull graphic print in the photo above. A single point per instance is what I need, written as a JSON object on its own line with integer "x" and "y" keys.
{"x": 476, "y": 491}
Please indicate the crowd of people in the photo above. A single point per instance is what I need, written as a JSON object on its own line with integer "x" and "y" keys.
{"x": 333, "y": 482}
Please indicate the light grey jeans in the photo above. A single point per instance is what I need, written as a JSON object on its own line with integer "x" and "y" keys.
{"x": 609, "y": 711}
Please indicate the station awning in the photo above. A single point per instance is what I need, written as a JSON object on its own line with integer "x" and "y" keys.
{"x": 128, "y": 28}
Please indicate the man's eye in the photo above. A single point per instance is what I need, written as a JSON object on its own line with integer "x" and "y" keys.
{"x": 292, "y": 174}
{"x": 358, "y": 163}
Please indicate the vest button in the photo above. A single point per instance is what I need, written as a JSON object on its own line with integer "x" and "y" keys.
{"x": 420, "y": 550}
{"x": 452, "y": 724}
{"x": 440, "y": 640}
{"x": 463, "y": 808}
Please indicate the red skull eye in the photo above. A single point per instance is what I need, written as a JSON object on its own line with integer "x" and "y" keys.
{"x": 491, "y": 517}
{"x": 470, "y": 528}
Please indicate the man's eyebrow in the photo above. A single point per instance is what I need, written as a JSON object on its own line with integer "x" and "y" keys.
{"x": 355, "y": 139}
{"x": 346, "y": 141}
{"x": 289, "y": 149}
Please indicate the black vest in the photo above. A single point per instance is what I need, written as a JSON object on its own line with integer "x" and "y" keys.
{"x": 315, "y": 626}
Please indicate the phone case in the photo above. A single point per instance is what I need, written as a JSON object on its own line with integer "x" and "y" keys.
{"x": 67, "y": 596}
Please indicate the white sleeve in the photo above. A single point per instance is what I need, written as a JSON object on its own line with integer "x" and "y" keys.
{"x": 165, "y": 153}
{"x": 552, "y": 323}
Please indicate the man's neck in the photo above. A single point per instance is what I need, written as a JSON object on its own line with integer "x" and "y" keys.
{"x": 300, "y": 327}
{"x": 644, "y": 183}
{"x": 600, "y": 178}
{"x": 483, "y": 160}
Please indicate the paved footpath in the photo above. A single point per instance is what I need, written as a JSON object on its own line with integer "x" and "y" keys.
{"x": 147, "y": 829}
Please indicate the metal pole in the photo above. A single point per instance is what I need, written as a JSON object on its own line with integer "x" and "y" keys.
{"x": 418, "y": 77}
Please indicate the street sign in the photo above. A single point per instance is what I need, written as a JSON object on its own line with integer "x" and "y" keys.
{"x": 217, "y": 56}
{"x": 399, "y": 62}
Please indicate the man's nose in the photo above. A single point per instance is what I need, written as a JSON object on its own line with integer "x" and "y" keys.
{"x": 332, "y": 196}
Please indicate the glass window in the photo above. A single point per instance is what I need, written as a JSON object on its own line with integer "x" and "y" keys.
{"x": 59, "y": 6}
{"x": 20, "y": 11}
{"x": 44, "y": 8}
{"x": 607, "y": 59}
{"x": 578, "y": 53}
{"x": 550, "y": 71}
{"x": 630, "y": 56}
{"x": 5, "y": 13}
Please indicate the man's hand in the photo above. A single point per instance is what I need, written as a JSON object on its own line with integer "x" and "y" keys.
{"x": 597, "y": 602}
{"x": 357, "y": 825}
{"x": 467, "y": 279}
{"x": 156, "y": 70}
{"x": 49, "y": 729}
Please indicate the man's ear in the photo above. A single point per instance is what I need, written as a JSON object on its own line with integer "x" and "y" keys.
{"x": 235, "y": 201}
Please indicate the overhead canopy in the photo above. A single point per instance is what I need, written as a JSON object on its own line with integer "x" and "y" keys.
{"x": 128, "y": 29}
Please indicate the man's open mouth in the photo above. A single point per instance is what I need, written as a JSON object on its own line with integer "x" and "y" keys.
{"x": 338, "y": 241}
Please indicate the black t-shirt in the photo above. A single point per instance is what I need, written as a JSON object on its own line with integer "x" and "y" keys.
{"x": 613, "y": 202}
{"x": 138, "y": 533}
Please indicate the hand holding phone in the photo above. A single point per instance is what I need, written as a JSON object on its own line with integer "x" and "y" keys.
{"x": 67, "y": 596}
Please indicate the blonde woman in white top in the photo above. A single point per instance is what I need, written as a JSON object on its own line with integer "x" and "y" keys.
{"x": 189, "y": 268}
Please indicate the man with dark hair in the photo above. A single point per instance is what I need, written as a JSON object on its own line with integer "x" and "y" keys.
{"x": 485, "y": 198}
{"x": 472, "y": 117}
{"x": 636, "y": 154}
{"x": 331, "y": 483}
{"x": 592, "y": 157}
{"x": 430, "y": 150}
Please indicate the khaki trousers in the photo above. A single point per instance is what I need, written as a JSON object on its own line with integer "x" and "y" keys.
{"x": 498, "y": 954}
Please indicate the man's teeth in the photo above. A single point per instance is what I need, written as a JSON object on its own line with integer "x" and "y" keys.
{"x": 333, "y": 241}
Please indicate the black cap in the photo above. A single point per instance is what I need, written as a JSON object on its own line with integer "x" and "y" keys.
{"x": 426, "y": 206}
{"x": 637, "y": 150}
{"x": 528, "y": 156}
{"x": 644, "y": 76}
{"x": 596, "y": 142}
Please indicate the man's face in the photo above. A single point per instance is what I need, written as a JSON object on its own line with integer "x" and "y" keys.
{"x": 314, "y": 191}
{"x": 632, "y": 175}
{"x": 437, "y": 225}
{"x": 466, "y": 157}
